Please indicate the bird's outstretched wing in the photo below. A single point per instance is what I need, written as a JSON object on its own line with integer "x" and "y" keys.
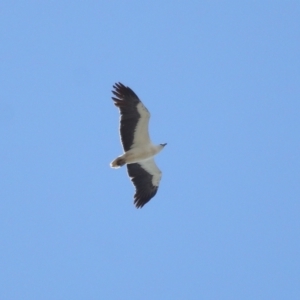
{"x": 134, "y": 118}
{"x": 145, "y": 176}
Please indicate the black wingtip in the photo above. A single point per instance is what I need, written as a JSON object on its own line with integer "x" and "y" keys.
{"x": 141, "y": 200}
{"x": 122, "y": 92}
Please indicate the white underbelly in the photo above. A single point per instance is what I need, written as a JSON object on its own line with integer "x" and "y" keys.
{"x": 133, "y": 156}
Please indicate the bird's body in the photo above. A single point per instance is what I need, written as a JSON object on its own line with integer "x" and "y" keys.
{"x": 138, "y": 148}
{"x": 136, "y": 154}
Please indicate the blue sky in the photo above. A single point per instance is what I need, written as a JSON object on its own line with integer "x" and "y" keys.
{"x": 222, "y": 82}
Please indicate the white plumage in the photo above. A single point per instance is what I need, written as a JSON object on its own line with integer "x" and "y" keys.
{"x": 138, "y": 148}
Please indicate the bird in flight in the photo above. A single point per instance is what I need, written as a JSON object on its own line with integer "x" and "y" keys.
{"x": 138, "y": 148}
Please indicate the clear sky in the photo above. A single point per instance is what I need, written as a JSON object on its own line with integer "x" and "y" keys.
{"x": 222, "y": 82}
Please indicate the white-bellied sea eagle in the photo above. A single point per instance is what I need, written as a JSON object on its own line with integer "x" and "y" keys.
{"x": 138, "y": 148}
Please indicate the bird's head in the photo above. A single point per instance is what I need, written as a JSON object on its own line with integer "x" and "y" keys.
{"x": 163, "y": 145}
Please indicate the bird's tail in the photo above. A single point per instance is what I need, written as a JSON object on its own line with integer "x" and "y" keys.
{"x": 118, "y": 162}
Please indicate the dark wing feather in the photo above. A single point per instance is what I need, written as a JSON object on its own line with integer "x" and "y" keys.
{"x": 142, "y": 180}
{"x": 126, "y": 100}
